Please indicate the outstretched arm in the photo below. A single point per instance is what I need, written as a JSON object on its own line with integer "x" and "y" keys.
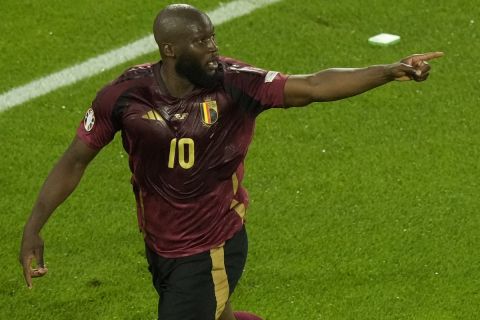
{"x": 335, "y": 84}
{"x": 60, "y": 183}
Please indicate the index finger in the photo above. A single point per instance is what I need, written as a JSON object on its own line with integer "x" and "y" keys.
{"x": 431, "y": 55}
{"x": 26, "y": 264}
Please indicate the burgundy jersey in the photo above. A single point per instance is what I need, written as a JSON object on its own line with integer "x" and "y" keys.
{"x": 186, "y": 154}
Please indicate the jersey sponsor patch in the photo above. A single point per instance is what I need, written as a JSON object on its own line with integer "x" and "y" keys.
{"x": 209, "y": 112}
{"x": 270, "y": 76}
{"x": 89, "y": 120}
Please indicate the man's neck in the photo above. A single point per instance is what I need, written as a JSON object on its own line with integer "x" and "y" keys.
{"x": 176, "y": 85}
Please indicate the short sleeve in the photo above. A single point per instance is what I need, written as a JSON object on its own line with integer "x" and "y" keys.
{"x": 97, "y": 128}
{"x": 255, "y": 88}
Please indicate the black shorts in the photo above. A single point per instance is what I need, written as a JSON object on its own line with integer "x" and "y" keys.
{"x": 197, "y": 287}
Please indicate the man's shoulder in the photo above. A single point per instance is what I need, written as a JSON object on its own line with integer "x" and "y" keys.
{"x": 133, "y": 77}
{"x": 137, "y": 72}
{"x": 138, "y": 77}
{"x": 234, "y": 67}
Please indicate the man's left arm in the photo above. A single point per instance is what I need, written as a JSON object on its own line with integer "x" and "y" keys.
{"x": 335, "y": 84}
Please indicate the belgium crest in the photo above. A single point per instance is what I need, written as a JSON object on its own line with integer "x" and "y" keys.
{"x": 209, "y": 112}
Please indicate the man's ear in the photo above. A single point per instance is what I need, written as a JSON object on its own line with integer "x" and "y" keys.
{"x": 168, "y": 50}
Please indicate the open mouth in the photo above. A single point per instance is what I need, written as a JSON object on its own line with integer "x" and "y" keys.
{"x": 213, "y": 65}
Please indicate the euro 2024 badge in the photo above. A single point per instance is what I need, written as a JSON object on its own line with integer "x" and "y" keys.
{"x": 209, "y": 112}
{"x": 89, "y": 120}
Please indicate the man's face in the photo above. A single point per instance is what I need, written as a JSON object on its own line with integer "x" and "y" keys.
{"x": 197, "y": 57}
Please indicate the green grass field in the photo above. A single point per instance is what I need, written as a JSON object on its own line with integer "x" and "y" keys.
{"x": 366, "y": 208}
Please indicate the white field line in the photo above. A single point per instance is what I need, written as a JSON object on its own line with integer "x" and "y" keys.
{"x": 111, "y": 59}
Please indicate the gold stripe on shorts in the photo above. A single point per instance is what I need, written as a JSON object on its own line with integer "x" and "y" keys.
{"x": 220, "y": 280}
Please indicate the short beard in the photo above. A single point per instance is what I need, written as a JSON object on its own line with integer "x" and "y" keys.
{"x": 190, "y": 69}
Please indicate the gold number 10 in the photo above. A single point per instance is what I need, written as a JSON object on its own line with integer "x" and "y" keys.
{"x": 181, "y": 153}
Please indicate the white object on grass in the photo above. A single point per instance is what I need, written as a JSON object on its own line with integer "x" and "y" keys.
{"x": 384, "y": 39}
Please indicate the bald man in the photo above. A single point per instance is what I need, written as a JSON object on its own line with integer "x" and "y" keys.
{"x": 186, "y": 124}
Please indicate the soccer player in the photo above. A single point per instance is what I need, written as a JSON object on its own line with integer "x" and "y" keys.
{"x": 186, "y": 123}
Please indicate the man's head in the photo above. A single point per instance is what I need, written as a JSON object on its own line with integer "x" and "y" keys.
{"x": 186, "y": 38}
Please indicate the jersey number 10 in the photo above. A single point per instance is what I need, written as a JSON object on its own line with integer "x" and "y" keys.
{"x": 183, "y": 144}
